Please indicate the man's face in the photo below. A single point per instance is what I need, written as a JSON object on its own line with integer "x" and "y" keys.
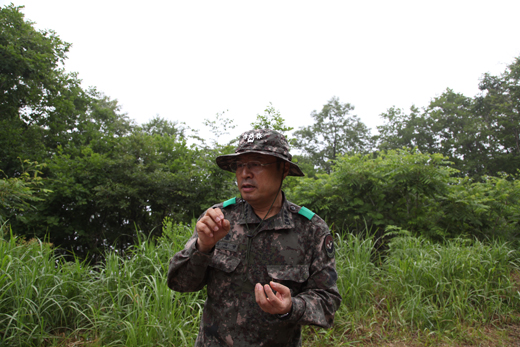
{"x": 260, "y": 185}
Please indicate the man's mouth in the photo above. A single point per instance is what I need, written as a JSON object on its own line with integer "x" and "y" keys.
{"x": 247, "y": 187}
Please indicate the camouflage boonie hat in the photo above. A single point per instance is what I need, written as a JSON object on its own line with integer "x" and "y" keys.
{"x": 262, "y": 141}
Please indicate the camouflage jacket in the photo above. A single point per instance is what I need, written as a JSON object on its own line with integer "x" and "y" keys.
{"x": 293, "y": 248}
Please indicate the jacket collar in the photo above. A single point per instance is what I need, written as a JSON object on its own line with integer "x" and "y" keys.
{"x": 282, "y": 220}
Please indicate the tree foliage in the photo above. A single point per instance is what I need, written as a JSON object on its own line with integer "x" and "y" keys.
{"x": 31, "y": 78}
{"x": 271, "y": 119}
{"x": 108, "y": 176}
{"x": 413, "y": 191}
{"x": 102, "y": 179}
{"x": 43, "y": 107}
{"x": 499, "y": 107}
{"x": 334, "y": 133}
{"x": 18, "y": 195}
{"x": 480, "y": 135}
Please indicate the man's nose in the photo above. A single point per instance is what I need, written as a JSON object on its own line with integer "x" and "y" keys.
{"x": 246, "y": 171}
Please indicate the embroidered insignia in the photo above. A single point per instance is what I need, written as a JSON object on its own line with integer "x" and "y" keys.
{"x": 245, "y": 136}
{"x": 258, "y": 136}
{"x": 328, "y": 244}
{"x": 251, "y": 137}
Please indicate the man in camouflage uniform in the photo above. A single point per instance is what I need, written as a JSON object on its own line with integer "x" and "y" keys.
{"x": 268, "y": 264}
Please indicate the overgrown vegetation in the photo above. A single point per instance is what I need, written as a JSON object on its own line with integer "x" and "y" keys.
{"x": 107, "y": 177}
{"x": 47, "y": 300}
{"x": 416, "y": 285}
{"x": 415, "y": 191}
{"x": 426, "y": 214}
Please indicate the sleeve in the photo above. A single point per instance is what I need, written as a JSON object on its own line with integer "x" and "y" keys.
{"x": 188, "y": 268}
{"x": 320, "y": 297}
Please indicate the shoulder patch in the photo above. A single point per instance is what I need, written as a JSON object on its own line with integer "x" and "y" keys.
{"x": 304, "y": 211}
{"x": 328, "y": 245}
{"x": 229, "y": 202}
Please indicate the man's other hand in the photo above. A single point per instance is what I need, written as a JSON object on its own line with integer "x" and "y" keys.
{"x": 279, "y": 303}
{"x": 210, "y": 229}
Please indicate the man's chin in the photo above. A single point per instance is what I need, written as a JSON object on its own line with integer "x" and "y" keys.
{"x": 248, "y": 195}
{"x": 248, "y": 191}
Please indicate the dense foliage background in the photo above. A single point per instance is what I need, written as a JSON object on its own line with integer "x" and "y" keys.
{"x": 433, "y": 199}
{"x": 79, "y": 173}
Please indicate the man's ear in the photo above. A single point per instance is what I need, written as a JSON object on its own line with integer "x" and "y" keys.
{"x": 286, "y": 169}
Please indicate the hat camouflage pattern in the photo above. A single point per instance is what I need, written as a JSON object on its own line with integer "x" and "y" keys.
{"x": 261, "y": 141}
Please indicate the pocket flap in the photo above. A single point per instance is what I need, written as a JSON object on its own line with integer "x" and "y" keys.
{"x": 224, "y": 262}
{"x": 296, "y": 273}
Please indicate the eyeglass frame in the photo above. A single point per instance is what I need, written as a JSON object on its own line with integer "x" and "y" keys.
{"x": 234, "y": 165}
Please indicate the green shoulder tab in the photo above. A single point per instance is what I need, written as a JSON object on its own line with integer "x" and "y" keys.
{"x": 304, "y": 211}
{"x": 230, "y": 202}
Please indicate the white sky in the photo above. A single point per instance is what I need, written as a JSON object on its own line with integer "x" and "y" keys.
{"x": 188, "y": 60}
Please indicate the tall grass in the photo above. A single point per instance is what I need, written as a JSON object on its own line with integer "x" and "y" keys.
{"x": 416, "y": 284}
{"x": 123, "y": 302}
{"x": 357, "y": 273}
{"x": 439, "y": 286}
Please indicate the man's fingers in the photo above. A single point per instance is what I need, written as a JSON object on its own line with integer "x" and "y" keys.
{"x": 269, "y": 302}
{"x": 210, "y": 223}
{"x": 215, "y": 221}
{"x": 216, "y": 215}
{"x": 222, "y": 230}
{"x": 260, "y": 296}
{"x": 280, "y": 288}
{"x": 226, "y": 225}
{"x": 211, "y": 228}
{"x": 206, "y": 229}
{"x": 271, "y": 296}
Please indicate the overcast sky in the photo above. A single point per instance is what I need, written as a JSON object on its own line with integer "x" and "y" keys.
{"x": 188, "y": 60}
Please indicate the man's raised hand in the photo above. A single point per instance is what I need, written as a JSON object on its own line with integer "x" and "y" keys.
{"x": 211, "y": 228}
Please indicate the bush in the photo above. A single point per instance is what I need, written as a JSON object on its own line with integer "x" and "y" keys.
{"x": 414, "y": 191}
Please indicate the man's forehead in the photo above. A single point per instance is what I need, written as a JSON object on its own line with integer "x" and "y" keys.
{"x": 254, "y": 156}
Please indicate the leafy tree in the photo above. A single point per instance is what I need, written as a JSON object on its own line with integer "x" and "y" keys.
{"x": 19, "y": 194}
{"x": 499, "y": 107}
{"x": 457, "y": 132}
{"x": 215, "y": 185}
{"x": 271, "y": 119}
{"x": 219, "y": 126}
{"x": 42, "y": 107}
{"x": 212, "y": 184}
{"x": 480, "y": 135}
{"x": 161, "y": 126}
{"x": 447, "y": 126}
{"x": 113, "y": 188}
{"x": 106, "y": 177}
{"x": 30, "y": 74}
{"x": 401, "y": 129}
{"x": 334, "y": 133}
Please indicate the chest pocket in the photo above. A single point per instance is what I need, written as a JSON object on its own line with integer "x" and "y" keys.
{"x": 294, "y": 273}
{"x": 224, "y": 262}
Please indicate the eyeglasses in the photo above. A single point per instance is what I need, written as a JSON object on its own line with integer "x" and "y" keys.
{"x": 254, "y": 166}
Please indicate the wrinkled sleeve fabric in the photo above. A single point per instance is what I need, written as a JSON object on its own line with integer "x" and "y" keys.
{"x": 188, "y": 268}
{"x": 320, "y": 297}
